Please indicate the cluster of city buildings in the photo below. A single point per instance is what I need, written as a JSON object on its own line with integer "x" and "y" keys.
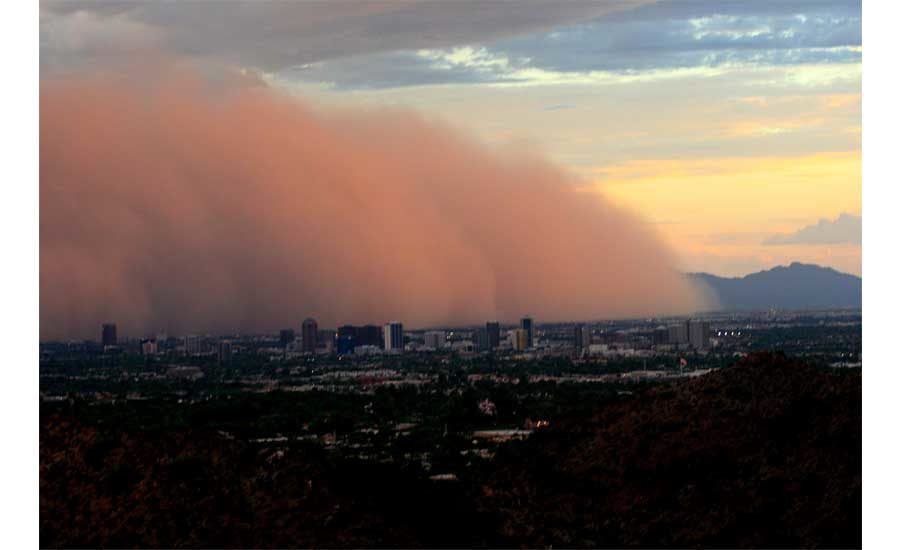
{"x": 691, "y": 334}
{"x": 391, "y": 338}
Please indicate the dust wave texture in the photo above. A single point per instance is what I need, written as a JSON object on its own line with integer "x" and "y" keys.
{"x": 166, "y": 207}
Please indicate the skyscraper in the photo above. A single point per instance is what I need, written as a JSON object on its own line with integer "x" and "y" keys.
{"x": 346, "y": 342}
{"x": 660, "y": 335}
{"x": 678, "y": 334}
{"x": 480, "y": 339}
{"x": 326, "y": 340}
{"x": 148, "y": 346}
{"x": 286, "y": 337}
{"x": 518, "y": 338}
{"x": 109, "y": 335}
{"x": 528, "y": 327}
{"x": 493, "y": 334}
{"x": 310, "y": 333}
{"x": 162, "y": 342}
{"x": 393, "y": 336}
{"x": 224, "y": 351}
{"x": 582, "y": 338}
{"x": 192, "y": 345}
{"x": 369, "y": 335}
{"x": 435, "y": 339}
{"x": 698, "y": 334}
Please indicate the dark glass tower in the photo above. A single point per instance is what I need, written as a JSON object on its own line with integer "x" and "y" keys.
{"x": 493, "y": 334}
{"x": 528, "y": 326}
{"x": 109, "y": 335}
{"x": 582, "y": 338}
{"x": 393, "y": 336}
{"x": 286, "y": 336}
{"x": 310, "y": 334}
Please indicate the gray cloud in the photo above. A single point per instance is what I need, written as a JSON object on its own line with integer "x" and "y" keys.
{"x": 360, "y": 45}
{"x": 681, "y": 9}
{"x": 392, "y": 70}
{"x": 845, "y": 229}
{"x": 559, "y": 107}
{"x": 273, "y": 35}
{"x": 656, "y": 36}
{"x": 702, "y": 35}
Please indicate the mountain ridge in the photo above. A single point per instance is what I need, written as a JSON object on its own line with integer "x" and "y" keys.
{"x": 795, "y": 286}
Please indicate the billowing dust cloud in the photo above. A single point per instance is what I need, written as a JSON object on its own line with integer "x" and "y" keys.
{"x": 167, "y": 207}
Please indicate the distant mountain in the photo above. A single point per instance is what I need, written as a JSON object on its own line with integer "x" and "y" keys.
{"x": 797, "y": 286}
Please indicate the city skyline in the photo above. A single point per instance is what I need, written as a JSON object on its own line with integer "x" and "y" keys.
{"x": 806, "y": 276}
{"x": 692, "y": 333}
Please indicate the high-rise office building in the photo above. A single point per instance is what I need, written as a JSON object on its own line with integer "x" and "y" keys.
{"x": 310, "y": 334}
{"x": 528, "y": 327}
{"x": 109, "y": 337}
{"x": 162, "y": 342}
{"x": 148, "y": 346}
{"x": 346, "y": 330}
{"x": 480, "y": 340}
{"x": 393, "y": 336}
{"x": 678, "y": 334}
{"x": 286, "y": 337}
{"x": 369, "y": 335}
{"x": 660, "y": 336}
{"x": 582, "y": 338}
{"x": 192, "y": 345}
{"x": 346, "y": 343}
{"x": 518, "y": 338}
{"x": 435, "y": 339}
{"x": 698, "y": 334}
{"x": 326, "y": 340}
{"x": 493, "y": 334}
{"x": 224, "y": 351}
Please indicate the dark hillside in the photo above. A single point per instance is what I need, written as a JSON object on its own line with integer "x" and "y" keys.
{"x": 200, "y": 490}
{"x": 763, "y": 454}
{"x": 766, "y": 453}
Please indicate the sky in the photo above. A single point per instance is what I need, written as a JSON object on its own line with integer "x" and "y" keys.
{"x": 731, "y": 130}
{"x": 723, "y": 123}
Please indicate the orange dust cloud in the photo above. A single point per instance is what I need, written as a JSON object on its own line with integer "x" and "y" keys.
{"x": 165, "y": 206}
